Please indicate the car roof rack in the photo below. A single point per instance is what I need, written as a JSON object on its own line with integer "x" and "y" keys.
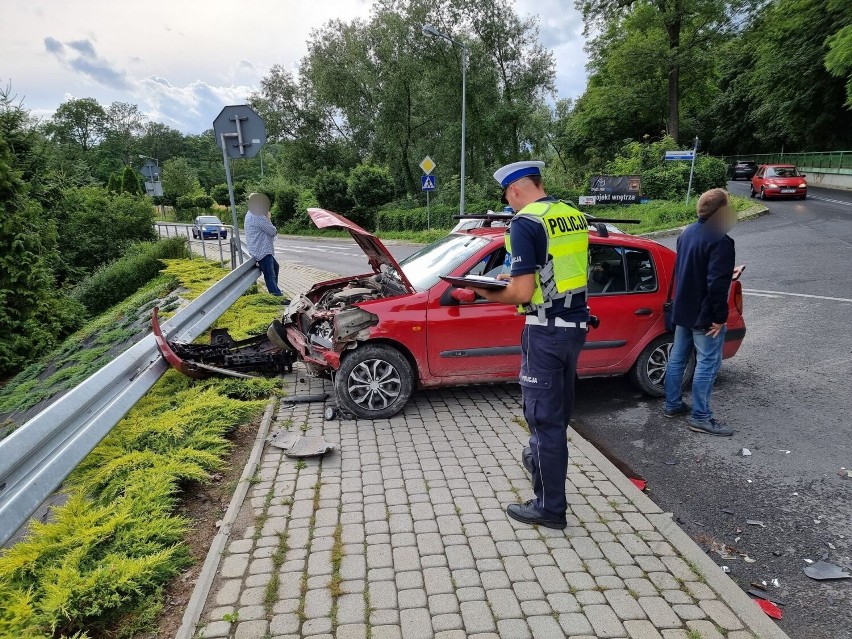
{"x": 488, "y": 217}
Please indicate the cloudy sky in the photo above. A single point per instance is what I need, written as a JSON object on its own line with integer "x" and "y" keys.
{"x": 182, "y": 60}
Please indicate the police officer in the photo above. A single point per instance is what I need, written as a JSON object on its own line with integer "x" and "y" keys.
{"x": 548, "y": 240}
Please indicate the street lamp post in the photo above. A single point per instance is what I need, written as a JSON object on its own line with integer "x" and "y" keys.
{"x": 429, "y": 30}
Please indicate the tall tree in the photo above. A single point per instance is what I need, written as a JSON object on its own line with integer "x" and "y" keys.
{"x": 690, "y": 28}
{"x": 78, "y": 121}
{"x": 124, "y": 123}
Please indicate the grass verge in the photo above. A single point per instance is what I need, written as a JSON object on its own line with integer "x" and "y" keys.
{"x": 99, "y": 566}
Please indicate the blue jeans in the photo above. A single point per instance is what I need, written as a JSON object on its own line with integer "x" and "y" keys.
{"x": 708, "y": 361}
{"x": 269, "y": 267}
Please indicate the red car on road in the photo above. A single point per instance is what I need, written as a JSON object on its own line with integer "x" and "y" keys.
{"x": 382, "y": 334}
{"x": 779, "y": 180}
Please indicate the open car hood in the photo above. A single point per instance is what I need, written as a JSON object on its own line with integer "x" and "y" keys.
{"x": 376, "y": 252}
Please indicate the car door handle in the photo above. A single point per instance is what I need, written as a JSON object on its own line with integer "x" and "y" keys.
{"x": 642, "y": 311}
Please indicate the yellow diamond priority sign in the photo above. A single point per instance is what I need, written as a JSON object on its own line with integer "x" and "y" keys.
{"x": 428, "y": 165}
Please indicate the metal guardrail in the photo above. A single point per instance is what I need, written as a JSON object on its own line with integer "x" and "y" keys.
{"x": 179, "y": 229}
{"x": 840, "y": 161}
{"x": 37, "y": 457}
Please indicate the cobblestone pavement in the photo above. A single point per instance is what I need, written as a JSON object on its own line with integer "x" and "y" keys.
{"x": 402, "y": 533}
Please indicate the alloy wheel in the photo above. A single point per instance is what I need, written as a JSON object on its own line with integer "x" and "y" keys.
{"x": 374, "y": 384}
{"x": 657, "y": 362}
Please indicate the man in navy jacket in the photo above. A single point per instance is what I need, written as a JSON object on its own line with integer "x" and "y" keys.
{"x": 703, "y": 271}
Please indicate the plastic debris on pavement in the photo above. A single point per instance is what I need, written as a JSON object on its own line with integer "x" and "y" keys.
{"x": 755, "y": 522}
{"x": 760, "y": 593}
{"x": 769, "y": 608}
{"x": 822, "y": 570}
{"x": 726, "y": 570}
{"x": 745, "y": 452}
{"x": 776, "y": 583}
{"x": 304, "y": 399}
{"x": 748, "y": 559}
{"x": 296, "y": 445}
{"x": 639, "y": 483}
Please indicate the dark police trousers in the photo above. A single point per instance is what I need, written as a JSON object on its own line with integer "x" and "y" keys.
{"x": 548, "y": 367}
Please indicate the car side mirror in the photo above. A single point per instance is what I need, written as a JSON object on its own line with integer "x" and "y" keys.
{"x": 803, "y": 175}
{"x": 463, "y": 295}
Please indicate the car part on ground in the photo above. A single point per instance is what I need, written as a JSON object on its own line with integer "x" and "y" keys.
{"x": 225, "y": 355}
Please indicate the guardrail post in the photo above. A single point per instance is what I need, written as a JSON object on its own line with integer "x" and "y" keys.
{"x": 188, "y": 243}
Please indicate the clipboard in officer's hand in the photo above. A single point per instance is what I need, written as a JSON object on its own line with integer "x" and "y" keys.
{"x": 478, "y": 281}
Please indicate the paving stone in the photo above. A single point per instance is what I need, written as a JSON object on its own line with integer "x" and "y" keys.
{"x": 642, "y": 630}
{"x": 591, "y": 598}
{"x": 504, "y": 603}
{"x": 228, "y": 592}
{"x": 460, "y": 557}
{"x": 551, "y": 579}
{"x": 443, "y": 604}
{"x": 415, "y": 598}
{"x": 536, "y": 608}
{"x": 579, "y": 581}
{"x": 351, "y": 631}
{"x": 657, "y": 609}
{"x": 409, "y": 579}
{"x": 437, "y": 581}
{"x": 251, "y": 629}
{"x": 700, "y": 590}
{"x": 466, "y": 578}
{"x": 415, "y": 623}
{"x": 314, "y": 627}
{"x": 705, "y": 628}
{"x": 317, "y": 603}
{"x": 494, "y": 579}
{"x": 624, "y": 605}
{"x": 350, "y": 608}
{"x": 284, "y": 624}
{"x": 663, "y": 581}
{"x": 676, "y": 597}
{"x": 443, "y": 623}
{"x": 721, "y": 615}
{"x": 234, "y": 566}
{"x": 477, "y": 617}
{"x": 216, "y": 629}
{"x": 514, "y": 628}
{"x": 604, "y": 621}
{"x": 689, "y": 612}
{"x": 574, "y": 623}
{"x": 545, "y": 627}
{"x": 451, "y": 634}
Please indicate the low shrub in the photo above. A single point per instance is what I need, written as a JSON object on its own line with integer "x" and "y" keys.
{"x": 115, "y": 281}
{"x": 99, "y": 567}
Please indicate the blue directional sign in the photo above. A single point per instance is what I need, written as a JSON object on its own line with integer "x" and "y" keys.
{"x": 688, "y": 154}
{"x": 427, "y": 182}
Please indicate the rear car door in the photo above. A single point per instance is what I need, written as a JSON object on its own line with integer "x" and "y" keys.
{"x": 473, "y": 340}
{"x": 624, "y": 293}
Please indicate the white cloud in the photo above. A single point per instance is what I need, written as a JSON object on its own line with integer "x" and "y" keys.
{"x": 182, "y": 61}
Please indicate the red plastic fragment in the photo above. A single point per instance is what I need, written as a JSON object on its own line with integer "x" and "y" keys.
{"x": 639, "y": 483}
{"x": 769, "y": 608}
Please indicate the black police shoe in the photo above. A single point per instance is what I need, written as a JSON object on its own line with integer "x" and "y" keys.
{"x": 711, "y": 427}
{"x": 683, "y": 409}
{"x": 529, "y": 514}
{"x": 527, "y": 460}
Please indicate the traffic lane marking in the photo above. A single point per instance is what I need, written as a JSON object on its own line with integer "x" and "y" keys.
{"x": 828, "y": 199}
{"x": 754, "y": 291}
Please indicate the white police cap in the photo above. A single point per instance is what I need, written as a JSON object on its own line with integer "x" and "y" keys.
{"x": 505, "y": 175}
{"x": 258, "y": 203}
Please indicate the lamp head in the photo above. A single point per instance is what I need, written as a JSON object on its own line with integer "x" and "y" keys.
{"x": 428, "y": 29}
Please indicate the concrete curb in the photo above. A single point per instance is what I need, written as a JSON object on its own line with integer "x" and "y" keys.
{"x": 728, "y": 591}
{"x": 756, "y": 210}
{"x": 198, "y": 599}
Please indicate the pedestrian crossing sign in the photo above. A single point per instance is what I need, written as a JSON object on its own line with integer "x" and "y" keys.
{"x": 427, "y": 182}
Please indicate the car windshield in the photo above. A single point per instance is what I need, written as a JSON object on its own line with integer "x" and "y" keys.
{"x": 425, "y": 267}
{"x": 209, "y": 219}
{"x": 782, "y": 172}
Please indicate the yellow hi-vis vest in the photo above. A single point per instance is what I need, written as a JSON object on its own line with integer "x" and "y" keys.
{"x": 566, "y": 270}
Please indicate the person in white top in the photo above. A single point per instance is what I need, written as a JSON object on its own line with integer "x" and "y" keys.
{"x": 260, "y": 239}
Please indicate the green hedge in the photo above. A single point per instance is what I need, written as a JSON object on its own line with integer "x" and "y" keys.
{"x": 115, "y": 281}
{"x": 414, "y": 219}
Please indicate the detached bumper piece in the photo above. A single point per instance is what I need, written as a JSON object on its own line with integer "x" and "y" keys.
{"x": 267, "y": 354}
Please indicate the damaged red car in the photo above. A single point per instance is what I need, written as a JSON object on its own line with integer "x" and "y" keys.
{"x": 383, "y": 334}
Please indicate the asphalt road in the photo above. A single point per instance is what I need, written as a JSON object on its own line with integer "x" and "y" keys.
{"x": 788, "y": 393}
{"x": 788, "y": 389}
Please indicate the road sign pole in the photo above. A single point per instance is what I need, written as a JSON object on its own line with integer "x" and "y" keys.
{"x": 428, "y": 213}
{"x": 463, "y": 122}
{"x": 237, "y": 246}
{"x": 692, "y": 169}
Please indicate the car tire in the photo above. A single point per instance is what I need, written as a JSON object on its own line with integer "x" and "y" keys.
{"x": 762, "y": 194}
{"x": 374, "y": 382}
{"x": 752, "y": 191}
{"x": 649, "y": 371}
{"x": 803, "y": 197}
